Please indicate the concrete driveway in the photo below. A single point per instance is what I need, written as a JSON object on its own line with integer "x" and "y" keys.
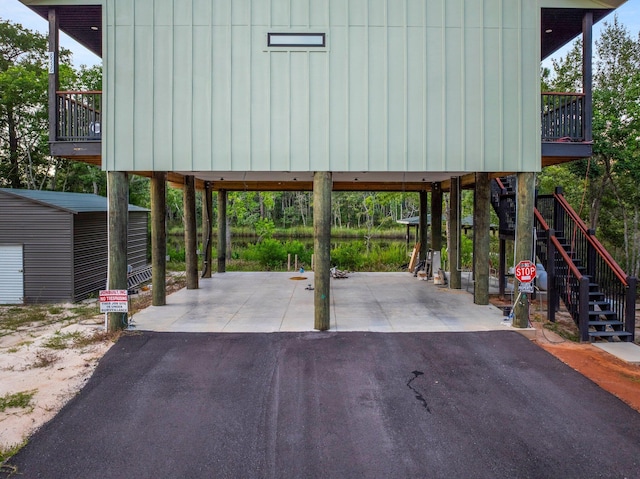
{"x": 335, "y": 405}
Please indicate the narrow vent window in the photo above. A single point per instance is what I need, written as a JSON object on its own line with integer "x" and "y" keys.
{"x": 296, "y": 40}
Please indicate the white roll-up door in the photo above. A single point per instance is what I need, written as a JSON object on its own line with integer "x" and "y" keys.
{"x": 11, "y": 274}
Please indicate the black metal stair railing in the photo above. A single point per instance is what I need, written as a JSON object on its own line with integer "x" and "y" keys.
{"x": 503, "y": 201}
{"x": 610, "y": 293}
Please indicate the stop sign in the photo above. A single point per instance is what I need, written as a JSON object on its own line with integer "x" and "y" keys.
{"x": 525, "y": 271}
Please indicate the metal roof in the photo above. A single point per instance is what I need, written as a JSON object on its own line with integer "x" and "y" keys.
{"x": 72, "y": 202}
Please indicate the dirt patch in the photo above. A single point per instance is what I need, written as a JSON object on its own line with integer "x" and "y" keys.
{"x": 47, "y": 353}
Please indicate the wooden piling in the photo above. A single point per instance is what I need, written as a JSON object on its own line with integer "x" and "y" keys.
{"x": 481, "y": 228}
{"x": 158, "y": 238}
{"x": 190, "y": 232}
{"x": 322, "y": 186}
{"x": 118, "y": 218}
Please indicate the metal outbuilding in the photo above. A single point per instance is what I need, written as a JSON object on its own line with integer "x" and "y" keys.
{"x": 53, "y": 245}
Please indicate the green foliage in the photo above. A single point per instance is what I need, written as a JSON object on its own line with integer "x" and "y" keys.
{"x": 298, "y": 248}
{"x": 269, "y": 253}
{"x": 349, "y": 256}
{"x": 265, "y": 228}
{"x": 20, "y": 400}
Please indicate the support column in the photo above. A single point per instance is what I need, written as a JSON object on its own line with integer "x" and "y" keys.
{"x": 481, "y": 229}
{"x": 455, "y": 278}
{"x": 423, "y": 225}
{"x": 54, "y": 82}
{"x": 525, "y": 198}
{"x": 436, "y": 216}
{"x": 207, "y": 225}
{"x": 158, "y": 238}
{"x": 587, "y": 73}
{"x": 118, "y": 219}
{"x": 322, "y": 186}
{"x": 190, "y": 232}
{"x": 222, "y": 231}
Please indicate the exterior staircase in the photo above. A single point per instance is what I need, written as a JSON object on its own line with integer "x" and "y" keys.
{"x": 598, "y": 294}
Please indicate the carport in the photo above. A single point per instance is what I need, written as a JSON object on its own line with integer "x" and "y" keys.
{"x": 276, "y": 301}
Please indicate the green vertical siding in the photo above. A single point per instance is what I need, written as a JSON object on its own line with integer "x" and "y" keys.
{"x": 413, "y": 85}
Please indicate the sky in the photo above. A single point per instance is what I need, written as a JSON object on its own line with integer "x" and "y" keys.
{"x": 628, "y": 15}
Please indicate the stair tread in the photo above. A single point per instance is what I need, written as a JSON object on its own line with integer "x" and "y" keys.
{"x": 609, "y": 333}
{"x": 602, "y": 313}
{"x": 606, "y": 323}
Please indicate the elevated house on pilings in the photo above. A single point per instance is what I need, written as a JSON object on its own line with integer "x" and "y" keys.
{"x": 328, "y": 95}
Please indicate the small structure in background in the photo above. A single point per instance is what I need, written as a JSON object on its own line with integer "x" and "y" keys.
{"x": 53, "y": 245}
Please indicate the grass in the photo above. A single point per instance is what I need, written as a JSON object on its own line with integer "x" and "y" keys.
{"x": 62, "y": 340}
{"x": 20, "y": 400}
{"x": 561, "y": 329}
{"x": 44, "y": 359}
{"x": 8, "y": 452}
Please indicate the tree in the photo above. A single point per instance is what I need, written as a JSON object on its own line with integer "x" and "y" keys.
{"x": 24, "y": 160}
{"x": 609, "y": 196}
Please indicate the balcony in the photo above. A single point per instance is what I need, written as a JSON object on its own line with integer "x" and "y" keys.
{"x": 565, "y": 133}
{"x": 78, "y": 127}
{"x": 79, "y": 120}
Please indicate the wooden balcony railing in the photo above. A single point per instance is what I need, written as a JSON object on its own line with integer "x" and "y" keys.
{"x": 78, "y": 116}
{"x": 562, "y": 117}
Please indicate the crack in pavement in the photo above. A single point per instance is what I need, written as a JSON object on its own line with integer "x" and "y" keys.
{"x": 418, "y": 395}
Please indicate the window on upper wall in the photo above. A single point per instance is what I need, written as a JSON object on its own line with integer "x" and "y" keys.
{"x": 307, "y": 40}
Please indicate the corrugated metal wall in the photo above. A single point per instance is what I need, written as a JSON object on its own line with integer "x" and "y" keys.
{"x": 91, "y": 250}
{"x": 138, "y": 240}
{"x": 413, "y": 85}
{"x": 46, "y": 236}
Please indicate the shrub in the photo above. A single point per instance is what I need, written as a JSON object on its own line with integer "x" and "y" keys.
{"x": 348, "y": 256}
{"x": 297, "y": 248}
{"x": 270, "y": 253}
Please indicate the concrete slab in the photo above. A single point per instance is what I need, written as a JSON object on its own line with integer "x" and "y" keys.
{"x": 628, "y": 352}
{"x": 270, "y": 302}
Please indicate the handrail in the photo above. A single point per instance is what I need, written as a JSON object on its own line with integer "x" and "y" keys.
{"x": 562, "y": 93}
{"x": 559, "y": 249}
{"x": 79, "y": 92}
{"x": 604, "y": 254}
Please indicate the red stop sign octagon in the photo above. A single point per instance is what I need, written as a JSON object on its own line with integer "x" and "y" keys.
{"x": 525, "y": 271}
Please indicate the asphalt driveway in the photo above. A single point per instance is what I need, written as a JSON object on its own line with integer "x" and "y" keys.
{"x": 335, "y": 405}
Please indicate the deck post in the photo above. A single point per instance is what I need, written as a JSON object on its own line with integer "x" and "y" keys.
{"x": 54, "y": 50}
{"x": 322, "y": 186}
{"x": 436, "y": 216}
{"x": 207, "y": 225}
{"x": 423, "y": 225}
{"x": 222, "y": 231}
{"x": 587, "y": 74}
{"x": 481, "y": 229}
{"x": 455, "y": 278}
{"x": 190, "y": 232}
{"x": 525, "y": 202}
{"x": 118, "y": 219}
{"x": 158, "y": 238}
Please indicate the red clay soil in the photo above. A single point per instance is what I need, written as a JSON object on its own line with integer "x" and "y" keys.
{"x": 618, "y": 377}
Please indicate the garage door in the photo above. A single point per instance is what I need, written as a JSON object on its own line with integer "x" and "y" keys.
{"x": 11, "y": 274}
